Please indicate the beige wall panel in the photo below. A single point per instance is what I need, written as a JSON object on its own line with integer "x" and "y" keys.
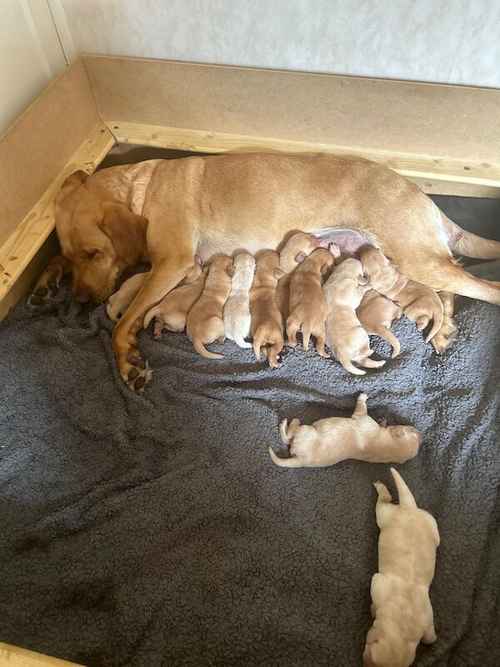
{"x": 428, "y": 120}
{"x": 39, "y": 144}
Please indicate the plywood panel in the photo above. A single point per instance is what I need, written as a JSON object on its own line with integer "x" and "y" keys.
{"x": 29, "y": 235}
{"x": 440, "y": 121}
{"x": 13, "y": 656}
{"x": 35, "y": 149}
{"x": 434, "y": 176}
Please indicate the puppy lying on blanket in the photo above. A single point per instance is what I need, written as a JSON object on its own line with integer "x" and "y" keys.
{"x": 172, "y": 311}
{"x": 345, "y": 336}
{"x": 267, "y": 323}
{"x": 329, "y": 441}
{"x": 308, "y": 309}
{"x": 401, "y": 605}
{"x": 204, "y": 322}
{"x": 376, "y": 314}
{"x": 237, "y": 321}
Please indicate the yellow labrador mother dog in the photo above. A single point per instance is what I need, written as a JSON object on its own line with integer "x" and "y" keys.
{"x": 166, "y": 211}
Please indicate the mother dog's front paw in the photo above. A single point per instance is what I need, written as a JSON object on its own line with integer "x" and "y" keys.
{"x": 135, "y": 371}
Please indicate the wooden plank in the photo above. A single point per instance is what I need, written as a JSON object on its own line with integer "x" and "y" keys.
{"x": 433, "y": 175}
{"x": 24, "y": 242}
{"x": 36, "y": 147}
{"x": 442, "y": 122}
{"x": 13, "y": 656}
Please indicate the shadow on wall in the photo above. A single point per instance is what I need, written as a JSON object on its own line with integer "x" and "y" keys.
{"x": 481, "y": 216}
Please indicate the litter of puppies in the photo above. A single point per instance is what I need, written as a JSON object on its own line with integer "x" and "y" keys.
{"x": 338, "y": 301}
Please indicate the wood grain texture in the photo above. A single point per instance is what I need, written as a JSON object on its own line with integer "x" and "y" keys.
{"x": 433, "y": 175}
{"x": 42, "y": 140}
{"x": 13, "y": 656}
{"x": 441, "y": 121}
{"x": 29, "y": 235}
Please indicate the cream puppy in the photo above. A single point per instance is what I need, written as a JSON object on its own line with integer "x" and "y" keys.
{"x": 237, "y": 309}
{"x": 205, "y": 322}
{"x": 308, "y": 309}
{"x": 172, "y": 311}
{"x": 267, "y": 323}
{"x": 376, "y": 314}
{"x": 345, "y": 336}
{"x": 401, "y": 606}
{"x": 329, "y": 441}
{"x": 118, "y": 302}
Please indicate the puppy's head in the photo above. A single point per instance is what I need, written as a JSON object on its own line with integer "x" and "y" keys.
{"x": 382, "y": 274}
{"x": 407, "y": 438}
{"x": 298, "y": 246}
{"x": 388, "y": 651}
{"x": 244, "y": 261}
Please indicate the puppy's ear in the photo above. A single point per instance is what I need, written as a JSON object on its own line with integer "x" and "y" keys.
{"x": 300, "y": 257}
{"x": 126, "y": 231}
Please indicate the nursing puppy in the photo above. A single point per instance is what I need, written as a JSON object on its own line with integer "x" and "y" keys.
{"x": 267, "y": 323}
{"x": 118, "y": 302}
{"x": 237, "y": 309}
{"x": 376, "y": 314}
{"x": 422, "y": 305}
{"x": 298, "y": 246}
{"x": 172, "y": 311}
{"x": 345, "y": 336}
{"x": 382, "y": 274}
{"x": 308, "y": 309}
{"x": 205, "y": 322}
{"x": 329, "y": 441}
{"x": 401, "y": 606}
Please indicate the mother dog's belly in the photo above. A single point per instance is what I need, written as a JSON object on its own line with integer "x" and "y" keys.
{"x": 348, "y": 240}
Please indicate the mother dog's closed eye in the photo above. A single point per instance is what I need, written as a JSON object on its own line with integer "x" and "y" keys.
{"x": 162, "y": 210}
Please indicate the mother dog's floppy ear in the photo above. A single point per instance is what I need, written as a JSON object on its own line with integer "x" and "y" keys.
{"x": 126, "y": 231}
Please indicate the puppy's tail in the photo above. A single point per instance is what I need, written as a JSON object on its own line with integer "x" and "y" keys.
{"x": 306, "y": 337}
{"x": 371, "y": 363}
{"x": 153, "y": 312}
{"x": 257, "y": 344}
{"x": 201, "y": 349}
{"x": 386, "y": 334}
{"x": 437, "y": 323}
{"x": 406, "y": 498}
{"x": 349, "y": 366}
{"x": 292, "y": 462}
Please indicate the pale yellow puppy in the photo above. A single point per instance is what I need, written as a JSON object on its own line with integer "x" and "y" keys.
{"x": 401, "y": 606}
{"x": 329, "y": 441}
{"x": 345, "y": 336}
{"x": 205, "y": 322}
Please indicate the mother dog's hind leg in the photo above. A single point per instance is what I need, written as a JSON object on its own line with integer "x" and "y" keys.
{"x": 164, "y": 276}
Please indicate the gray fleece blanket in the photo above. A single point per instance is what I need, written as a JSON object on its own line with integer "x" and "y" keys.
{"x": 154, "y": 530}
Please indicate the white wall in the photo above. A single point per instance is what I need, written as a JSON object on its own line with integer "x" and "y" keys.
{"x": 455, "y": 41}
{"x": 30, "y": 55}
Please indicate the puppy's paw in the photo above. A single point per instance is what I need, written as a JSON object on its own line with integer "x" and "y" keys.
{"x": 444, "y": 337}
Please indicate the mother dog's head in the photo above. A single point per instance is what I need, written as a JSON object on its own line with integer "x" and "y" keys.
{"x": 99, "y": 235}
